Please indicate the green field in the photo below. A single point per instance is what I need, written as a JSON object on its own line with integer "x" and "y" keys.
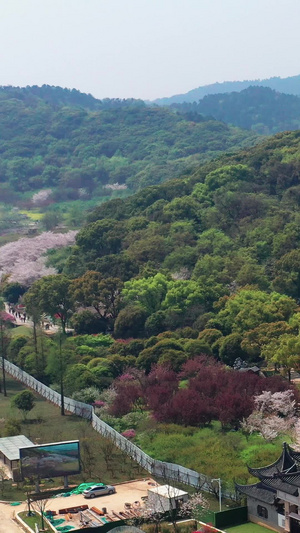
{"x": 247, "y": 528}
{"x": 32, "y": 214}
{"x": 32, "y": 520}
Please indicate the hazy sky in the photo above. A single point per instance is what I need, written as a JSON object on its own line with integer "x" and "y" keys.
{"x": 146, "y": 48}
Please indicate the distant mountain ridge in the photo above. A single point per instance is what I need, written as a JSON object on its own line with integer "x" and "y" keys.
{"x": 260, "y": 109}
{"x": 67, "y": 141}
{"x": 59, "y": 96}
{"x": 290, "y": 85}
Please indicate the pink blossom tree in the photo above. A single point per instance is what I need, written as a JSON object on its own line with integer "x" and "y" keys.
{"x": 24, "y": 260}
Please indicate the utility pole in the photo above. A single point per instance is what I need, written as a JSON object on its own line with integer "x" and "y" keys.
{"x": 220, "y": 492}
{"x": 61, "y": 370}
{"x": 2, "y": 356}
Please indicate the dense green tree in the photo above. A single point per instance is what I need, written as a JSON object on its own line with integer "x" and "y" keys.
{"x": 209, "y": 336}
{"x": 284, "y": 351}
{"x": 15, "y": 345}
{"x": 24, "y": 401}
{"x": 50, "y": 220}
{"x": 182, "y": 295}
{"x": 155, "y": 323}
{"x": 78, "y": 377}
{"x": 148, "y": 292}
{"x": 195, "y": 347}
{"x": 230, "y": 348}
{"x": 91, "y": 290}
{"x": 174, "y": 359}
{"x": 87, "y": 322}
{"x": 287, "y": 276}
{"x": 254, "y": 340}
{"x": 130, "y": 322}
{"x": 103, "y": 237}
{"x": 52, "y": 294}
{"x": 117, "y": 266}
{"x": 249, "y": 308}
{"x": 12, "y": 292}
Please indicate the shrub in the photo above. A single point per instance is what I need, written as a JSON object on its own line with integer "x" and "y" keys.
{"x": 12, "y": 427}
{"x": 87, "y": 322}
{"x": 130, "y": 322}
{"x": 88, "y": 395}
{"x": 129, "y": 433}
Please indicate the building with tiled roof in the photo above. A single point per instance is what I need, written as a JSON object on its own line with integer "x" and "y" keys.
{"x": 274, "y": 500}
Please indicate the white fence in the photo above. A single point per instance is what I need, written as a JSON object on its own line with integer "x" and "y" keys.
{"x": 167, "y": 471}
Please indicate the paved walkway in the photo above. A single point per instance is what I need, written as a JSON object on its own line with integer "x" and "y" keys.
{"x": 7, "y": 524}
{"x": 29, "y": 324}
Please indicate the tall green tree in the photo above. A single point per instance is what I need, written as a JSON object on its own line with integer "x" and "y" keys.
{"x": 53, "y": 296}
{"x": 24, "y": 401}
{"x": 91, "y": 290}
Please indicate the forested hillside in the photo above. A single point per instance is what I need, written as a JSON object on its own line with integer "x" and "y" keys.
{"x": 217, "y": 252}
{"x": 68, "y": 141}
{"x": 260, "y": 109}
{"x": 290, "y": 85}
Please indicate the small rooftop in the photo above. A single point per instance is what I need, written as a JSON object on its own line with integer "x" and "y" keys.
{"x": 10, "y": 446}
{"x": 167, "y": 491}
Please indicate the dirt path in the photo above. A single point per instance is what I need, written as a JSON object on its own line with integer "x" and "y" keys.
{"x": 7, "y": 524}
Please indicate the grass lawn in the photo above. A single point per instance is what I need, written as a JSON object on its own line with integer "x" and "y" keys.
{"x": 101, "y": 461}
{"x": 20, "y": 330}
{"x": 33, "y": 215}
{"x": 247, "y": 528}
{"x": 32, "y": 520}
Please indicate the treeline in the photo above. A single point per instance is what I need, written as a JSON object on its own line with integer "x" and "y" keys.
{"x": 58, "y": 96}
{"x": 67, "y": 141}
{"x": 120, "y": 378}
{"x": 260, "y": 109}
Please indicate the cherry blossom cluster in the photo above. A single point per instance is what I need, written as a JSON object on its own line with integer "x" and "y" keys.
{"x": 24, "y": 260}
{"x": 194, "y": 504}
{"x": 274, "y": 414}
{"x": 115, "y": 186}
{"x": 39, "y": 198}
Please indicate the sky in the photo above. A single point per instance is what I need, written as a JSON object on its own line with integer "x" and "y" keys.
{"x": 146, "y": 48}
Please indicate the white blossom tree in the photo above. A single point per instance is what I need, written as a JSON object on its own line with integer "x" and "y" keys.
{"x": 41, "y": 197}
{"x": 115, "y": 186}
{"x": 274, "y": 414}
{"x": 194, "y": 507}
{"x": 296, "y": 435}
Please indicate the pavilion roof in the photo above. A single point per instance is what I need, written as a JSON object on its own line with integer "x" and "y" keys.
{"x": 277, "y": 483}
{"x": 285, "y": 463}
{"x": 292, "y": 478}
{"x": 295, "y": 455}
{"x": 259, "y": 491}
{"x": 283, "y": 475}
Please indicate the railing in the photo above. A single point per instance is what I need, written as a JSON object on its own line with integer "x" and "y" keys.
{"x": 167, "y": 471}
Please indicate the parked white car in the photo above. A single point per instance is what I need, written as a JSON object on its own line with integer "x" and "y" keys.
{"x": 98, "y": 490}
